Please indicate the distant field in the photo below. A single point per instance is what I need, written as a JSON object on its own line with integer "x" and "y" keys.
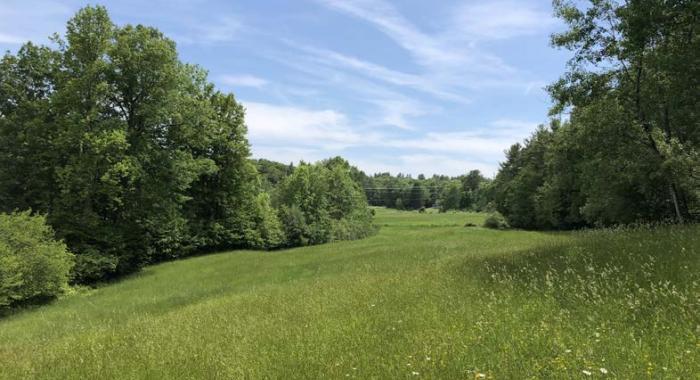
{"x": 431, "y": 218}
{"x": 424, "y": 298}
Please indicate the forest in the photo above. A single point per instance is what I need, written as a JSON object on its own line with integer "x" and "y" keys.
{"x": 118, "y": 159}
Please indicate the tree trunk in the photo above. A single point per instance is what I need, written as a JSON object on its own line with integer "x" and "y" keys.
{"x": 674, "y": 197}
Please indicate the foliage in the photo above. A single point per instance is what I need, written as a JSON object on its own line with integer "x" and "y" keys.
{"x": 404, "y": 192}
{"x": 32, "y": 263}
{"x": 526, "y": 304}
{"x": 495, "y": 221}
{"x": 272, "y": 173}
{"x": 629, "y": 150}
{"x": 321, "y": 203}
{"x": 133, "y": 155}
{"x": 451, "y": 197}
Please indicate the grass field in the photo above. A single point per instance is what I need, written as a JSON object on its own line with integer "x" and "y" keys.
{"x": 424, "y": 298}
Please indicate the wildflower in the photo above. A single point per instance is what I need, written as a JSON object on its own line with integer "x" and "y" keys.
{"x": 587, "y": 373}
{"x": 427, "y": 358}
{"x": 481, "y": 375}
{"x": 604, "y": 371}
{"x": 568, "y": 351}
{"x": 414, "y": 373}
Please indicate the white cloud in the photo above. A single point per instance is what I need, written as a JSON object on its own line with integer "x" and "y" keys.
{"x": 445, "y": 49}
{"x": 467, "y": 143}
{"x": 243, "y": 81}
{"x": 290, "y": 134}
{"x": 299, "y": 127}
{"x": 501, "y": 19}
{"x": 422, "y": 163}
{"x": 383, "y": 15}
{"x": 429, "y": 85}
{"x": 441, "y": 164}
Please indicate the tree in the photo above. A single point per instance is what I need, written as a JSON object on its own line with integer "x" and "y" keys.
{"x": 451, "y": 197}
{"x": 132, "y": 154}
{"x": 417, "y": 196}
{"x": 321, "y": 203}
{"x": 643, "y": 58}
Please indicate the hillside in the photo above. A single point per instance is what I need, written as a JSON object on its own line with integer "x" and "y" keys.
{"x": 425, "y": 297}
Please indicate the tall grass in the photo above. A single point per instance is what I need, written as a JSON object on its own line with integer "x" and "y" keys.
{"x": 424, "y": 298}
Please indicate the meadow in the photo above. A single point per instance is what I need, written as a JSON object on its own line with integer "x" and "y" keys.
{"x": 425, "y": 297}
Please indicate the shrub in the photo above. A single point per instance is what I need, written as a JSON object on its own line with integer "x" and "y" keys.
{"x": 495, "y": 221}
{"x": 32, "y": 263}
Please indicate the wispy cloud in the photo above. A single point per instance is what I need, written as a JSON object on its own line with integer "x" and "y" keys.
{"x": 423, "y": 83}
{"x": 217, "y": 30}
{"x": 243, "y": 80}
{"x": 222, "y": 30}
{"x": 22, "y": 21}
{"x": 500, "y": 19}
{"x": 447, "y": 48}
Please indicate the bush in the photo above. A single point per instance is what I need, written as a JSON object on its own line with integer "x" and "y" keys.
{"x": 496, "y": 221}
{"x": 32, "y": 263}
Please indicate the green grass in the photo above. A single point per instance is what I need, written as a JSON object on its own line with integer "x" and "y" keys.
{"x": 424, "y": 298}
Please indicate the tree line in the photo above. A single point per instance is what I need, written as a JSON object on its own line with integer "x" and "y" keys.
{"x": 629, "y": 149}
{"x": 471, "y": 191}
{"x": 131, "y": 156}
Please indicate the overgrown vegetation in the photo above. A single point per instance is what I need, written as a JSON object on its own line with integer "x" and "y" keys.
{"x": 33, "y": 265}
{"x": 321, "y": 203}
{"x": 630, "y": 150}
{"x": 424, "y": 295}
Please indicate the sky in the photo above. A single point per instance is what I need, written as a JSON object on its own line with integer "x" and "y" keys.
{"x": 410, "y": 86}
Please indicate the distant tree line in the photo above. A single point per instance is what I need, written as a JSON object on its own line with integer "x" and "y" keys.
{"x": 471, "y": 191}
{"x": 131, "y": 156}
{"x": 466, "y": 192}
{"x": 629, "y": 150}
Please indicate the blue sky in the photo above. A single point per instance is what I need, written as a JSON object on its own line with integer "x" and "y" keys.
{"x": 408, "y": 86}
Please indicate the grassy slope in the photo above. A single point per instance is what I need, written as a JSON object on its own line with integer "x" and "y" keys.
{"x": 424, "y": 298}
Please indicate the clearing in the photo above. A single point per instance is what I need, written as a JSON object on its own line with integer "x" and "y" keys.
{"x": 424, "y": 298}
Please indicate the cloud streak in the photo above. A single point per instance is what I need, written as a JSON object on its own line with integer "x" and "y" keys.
{"x": 243, "y": 80}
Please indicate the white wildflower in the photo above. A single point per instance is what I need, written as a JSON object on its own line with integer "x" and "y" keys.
{"x": 587, "y": 373}
{"x": 604, "y": 371}
{"x": 414, "y": 373}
